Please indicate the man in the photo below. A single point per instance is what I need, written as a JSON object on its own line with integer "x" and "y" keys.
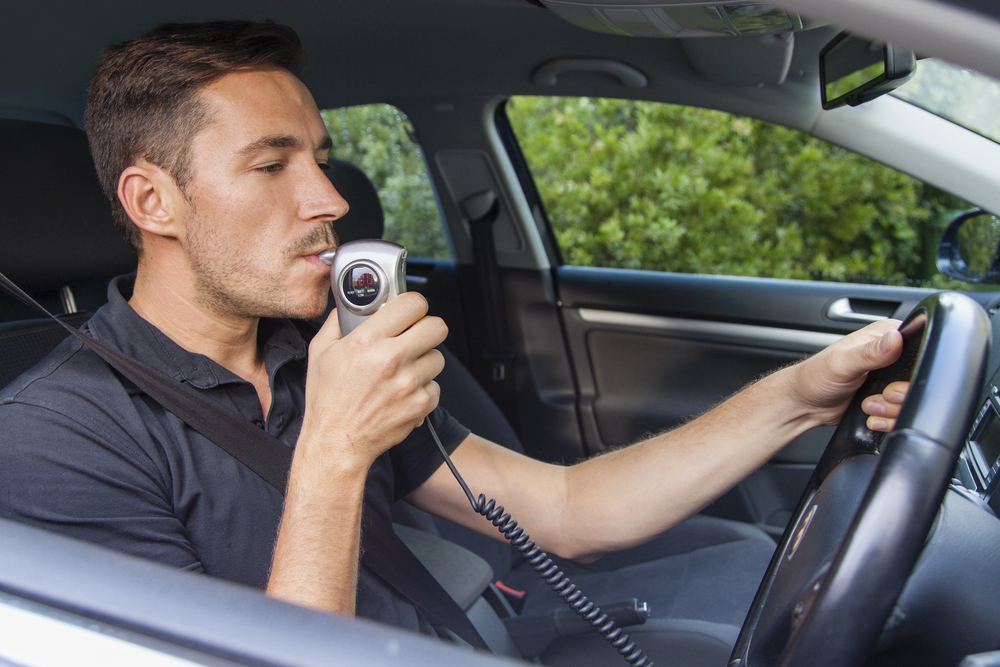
{"x": 211, "y": 152}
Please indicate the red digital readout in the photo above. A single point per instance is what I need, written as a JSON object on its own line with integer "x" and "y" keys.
{"x": 362, "y": 278}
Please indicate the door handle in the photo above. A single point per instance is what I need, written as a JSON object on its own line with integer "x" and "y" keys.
{"x": 842, "y": 310}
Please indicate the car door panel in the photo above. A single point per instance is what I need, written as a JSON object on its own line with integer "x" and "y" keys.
{"x": 648, "y": 380}
{"x": 607, "y": 356}
{"x": 651, "y": 350}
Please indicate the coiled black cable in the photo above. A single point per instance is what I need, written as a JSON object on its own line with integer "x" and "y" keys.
{"x": 548, "y": 570}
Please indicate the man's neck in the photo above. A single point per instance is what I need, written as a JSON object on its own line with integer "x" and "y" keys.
{"x": 174, "y": 308}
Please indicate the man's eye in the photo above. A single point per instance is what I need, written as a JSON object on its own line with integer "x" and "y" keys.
{"x": 323, "y": 165}
{"x": 272, "y": 168}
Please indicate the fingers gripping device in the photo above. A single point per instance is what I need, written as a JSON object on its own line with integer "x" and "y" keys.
{"x": 364, "y": 276}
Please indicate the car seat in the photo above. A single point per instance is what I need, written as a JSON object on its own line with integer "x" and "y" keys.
{"x": 59, "y": 243}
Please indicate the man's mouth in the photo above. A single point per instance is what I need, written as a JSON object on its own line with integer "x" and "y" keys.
{"x": 322, "y": 259}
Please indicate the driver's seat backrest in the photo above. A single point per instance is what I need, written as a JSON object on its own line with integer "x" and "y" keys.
{"x": 58, "y": 241}
{"x": 57, "y": 225}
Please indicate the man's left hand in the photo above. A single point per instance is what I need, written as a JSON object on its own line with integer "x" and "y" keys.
{"x": 884, "y": 408}
{"x": 827, "y": 381}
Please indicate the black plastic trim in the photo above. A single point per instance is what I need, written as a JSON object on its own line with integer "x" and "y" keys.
{"x": 795, "y": 304}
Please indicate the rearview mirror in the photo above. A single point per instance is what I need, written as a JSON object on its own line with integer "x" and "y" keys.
{"x": 854, "y": 70}
{"x": 970, "y": 248}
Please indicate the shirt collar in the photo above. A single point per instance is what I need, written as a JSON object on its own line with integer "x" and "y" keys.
{"x": 118, "y": 325}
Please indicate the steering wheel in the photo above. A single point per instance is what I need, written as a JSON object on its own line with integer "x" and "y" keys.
{"x": 859, "y": 527}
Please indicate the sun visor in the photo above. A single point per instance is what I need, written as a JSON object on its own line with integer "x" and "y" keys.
{"x": 663, "y": 18}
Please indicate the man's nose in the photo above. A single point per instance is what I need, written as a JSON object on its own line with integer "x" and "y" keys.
{"x": 322, "y": 199}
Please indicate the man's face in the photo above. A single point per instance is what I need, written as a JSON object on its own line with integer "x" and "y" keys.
{"x": 260, "y": 205}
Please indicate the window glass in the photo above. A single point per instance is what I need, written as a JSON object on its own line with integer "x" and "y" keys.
{"x": 644, "y": 185}
{"x": 962, "y": 95}
{"x": 377, "y": 138}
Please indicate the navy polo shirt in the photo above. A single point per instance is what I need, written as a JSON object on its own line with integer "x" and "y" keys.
{"x": 85, "y": 453}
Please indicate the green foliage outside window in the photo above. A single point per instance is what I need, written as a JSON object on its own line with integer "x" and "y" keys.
{"x": 376, "y": 137}
{"x": 644, "y": 185}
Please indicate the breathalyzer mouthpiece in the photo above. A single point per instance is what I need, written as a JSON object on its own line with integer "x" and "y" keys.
{"x": 327, "y": 256}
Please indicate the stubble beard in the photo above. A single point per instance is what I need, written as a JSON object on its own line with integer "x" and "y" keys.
{"x": 232, "y": 286}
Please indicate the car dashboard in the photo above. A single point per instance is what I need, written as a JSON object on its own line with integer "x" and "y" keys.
{"x": 979, "y": 464}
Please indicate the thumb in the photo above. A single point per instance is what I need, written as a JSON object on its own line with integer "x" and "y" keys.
{"x": 878, "y": 352}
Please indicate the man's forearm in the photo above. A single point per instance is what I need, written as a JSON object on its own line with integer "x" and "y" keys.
{"x": 708, "y": 456}
{"x": 625, "y": 497}
{"x": 628, "y": 496}
{"x": 365, "y": 393}
{"x": 660, "y": 482}
{"x": 316, "y": 555}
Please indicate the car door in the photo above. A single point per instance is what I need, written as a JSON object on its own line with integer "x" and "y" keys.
{"x": 727, "y": 299}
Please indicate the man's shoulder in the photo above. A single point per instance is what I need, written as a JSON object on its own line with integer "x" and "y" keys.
{"x": 70, "y": 390}
{"x": 70, "y": 370}
{"x": 69, "y": 411}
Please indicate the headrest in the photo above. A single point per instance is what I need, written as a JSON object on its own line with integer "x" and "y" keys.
{"x": 365, "y": 219}
{"x": 55, "y": 224}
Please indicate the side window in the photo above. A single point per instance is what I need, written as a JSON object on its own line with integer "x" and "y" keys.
{"x": 644, "y": 185}
{"x": 376, "y": 137}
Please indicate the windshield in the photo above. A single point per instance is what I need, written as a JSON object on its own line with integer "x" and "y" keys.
{"x": 961, "y": 95}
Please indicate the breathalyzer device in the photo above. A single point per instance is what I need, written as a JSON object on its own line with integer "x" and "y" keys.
{"x": 364, "y": 275}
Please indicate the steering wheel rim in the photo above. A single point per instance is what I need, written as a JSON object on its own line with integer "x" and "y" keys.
{"x": 871, "y": 501}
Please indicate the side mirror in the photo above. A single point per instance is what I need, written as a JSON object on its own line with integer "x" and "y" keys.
{"x": 970, "y": 248}
{"x": 854, "y": 70}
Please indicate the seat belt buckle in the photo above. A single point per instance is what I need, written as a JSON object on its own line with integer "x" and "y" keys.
{"x": 507, "y": 602}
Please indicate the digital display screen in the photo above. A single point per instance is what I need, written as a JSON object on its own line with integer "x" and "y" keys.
{"x": 361, "y": 285}
{"x": 987, "y": 440}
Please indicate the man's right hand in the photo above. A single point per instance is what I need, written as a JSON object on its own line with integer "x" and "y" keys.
{"x": 366, "y": 391}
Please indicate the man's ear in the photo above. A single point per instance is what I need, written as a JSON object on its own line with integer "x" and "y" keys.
{"x": 151, "y": 199}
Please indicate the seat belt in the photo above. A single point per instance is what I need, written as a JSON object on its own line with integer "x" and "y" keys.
{"x": 383, "y": 552}
{"x": 497, "y": 360}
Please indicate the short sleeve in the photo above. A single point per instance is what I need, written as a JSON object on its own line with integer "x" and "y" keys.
{"x": 58, "y": 474}
{"x": 416, "y": 458}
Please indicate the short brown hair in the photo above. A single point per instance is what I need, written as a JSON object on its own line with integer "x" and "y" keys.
{"x": 143, "y": 101}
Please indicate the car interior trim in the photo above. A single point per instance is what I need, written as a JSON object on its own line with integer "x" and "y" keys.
{"x": 533, "y": 255}
{"x": 23, "y": 627}
{"x": 548, "y": 73}
{"x": 767, "y": 336}
{"x": 468, "y": 173}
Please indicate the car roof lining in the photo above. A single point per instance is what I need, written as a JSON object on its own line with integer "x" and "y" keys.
{"x": 502, "y": 43}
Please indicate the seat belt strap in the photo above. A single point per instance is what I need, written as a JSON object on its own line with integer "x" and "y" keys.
{"x": 482, "y": 211}
{"x": 384, "y": 553}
